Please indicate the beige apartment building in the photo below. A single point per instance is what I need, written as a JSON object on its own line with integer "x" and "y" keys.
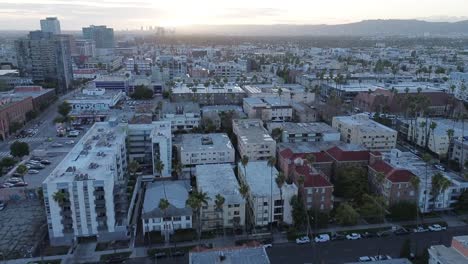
{"x": 253, "y": 139}
{"x": 361, "y": 130}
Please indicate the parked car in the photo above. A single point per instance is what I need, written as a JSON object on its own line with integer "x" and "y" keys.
{"x": 160, "y": 255}
{"x": 437, "y": 228}
{"x": 382, "y": 257}
{"x": 336, "y": 236}
{"x": 322, "y": 238}
{"x": 56, "y": 145}
{"x": 37, "y": 167}
{"x": 46, "y": 162}
{"x": 7, "y": 185}
{"x": 73, "y": 133}
{"x": 420, "y": 229}
{"x": 439, "y": 167}
{"x": 302, "y": 240}
{"x": 2, "y": 205}
{"x": 21, "y": 184}
{"x": 368, "y": 235}
{"x": 178, "y": 254}
{"x": 33, "y": 171}
{"x": 366, "y": 259}
{"x": 36, "y": 159}
{"x": 70, "y": 142}
{"x": 14, "y": 180}
{"x": 353, "y": 236}
{"x": 267, "y": 245}
{"x": 402, "y": 231}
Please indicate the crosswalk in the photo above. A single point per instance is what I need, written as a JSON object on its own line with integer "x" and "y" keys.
{"x": 4, "y": 154}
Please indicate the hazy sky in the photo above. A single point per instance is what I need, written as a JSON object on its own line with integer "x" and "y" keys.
{"x": 123, "y": 14}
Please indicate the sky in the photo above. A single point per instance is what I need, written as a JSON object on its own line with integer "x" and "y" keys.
{"x": 126, "y": 14}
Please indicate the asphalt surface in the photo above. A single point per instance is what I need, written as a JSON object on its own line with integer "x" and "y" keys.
{"x": 338, "y": 252}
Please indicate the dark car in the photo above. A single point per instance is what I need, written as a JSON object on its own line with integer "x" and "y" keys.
{"x": 160, "y": 255}
{"x": 178, "y": 254}
{"x": 45, "y": 162}
{"x": 401, "y": 232}
{"x": 338, "y": 237}
{"x": 117, "y": 260}
{"x": 368, "y": 235}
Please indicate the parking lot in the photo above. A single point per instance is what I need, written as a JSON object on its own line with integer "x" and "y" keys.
{"x": 20, "y": 225}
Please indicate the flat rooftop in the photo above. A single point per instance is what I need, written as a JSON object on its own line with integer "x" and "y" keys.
{"x": 228, "y": 88}
{"x": 314, "y": 147}
{"x": 364, "y": 123}
{"x": 242, "y": 255}
{"x": 93, "y": 157}
{"x": 252, "y": 131}
{"x": 219, "y": 179}
{"x": 447, "y": 254}
{"x": 303, "y": 128}
{"x": 180, "y": 108}
{"x": 205, "y": 142}
{"x": 176, "y": 192}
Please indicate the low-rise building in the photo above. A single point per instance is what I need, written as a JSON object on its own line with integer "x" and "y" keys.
{"x": 183, "y": 116}
{"x": 457, "y": 253}
{"x": 361, "y": 130}
{"x": 212, "y": 95}
{"x": 268, "y": 109}
{"x": 94, "y": 101}
{"x": 245, "y": 255}
{"x": 307, "y": 132}
{"x": 108, "y": 82}
{"x": 304, "y": 113}
{"x": 266, "y": 203}
{"x": 197, "y": 149}
{"x": 41, "y": 97}
{"x": 177, "y": 216}
{"x": 13, "y": 111}
{"x": 253, "y": 139}
{"x": 215, "y": 179}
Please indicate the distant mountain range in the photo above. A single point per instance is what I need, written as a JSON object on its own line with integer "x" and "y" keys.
{"x": 363, "y": 28}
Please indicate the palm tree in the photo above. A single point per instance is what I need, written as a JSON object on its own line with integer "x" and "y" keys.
{"x": 178, "y": 169}
{"x": 433, "y": 126}
{"x": 439, "y": 185}
{"x": 244, "y": 191}
{"x": 426, "y": 158}
{"x": 271, "y": 164}
{"x": 195, "y": 201}
{"x": 415, "y": 181}
{"x": 60, "y": 197}
{"x": 159, "y": 167}
{"x": 163, "y": 206}
{"x": 219, "y": 203}
{"x": 133, "y": 167}
{"x": 450, "y": 134}
{"x": 244, "y": 162}
{"x": 280, "y": 180}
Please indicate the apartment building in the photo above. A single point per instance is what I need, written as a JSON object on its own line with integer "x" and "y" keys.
{"x": 288, "y": 93}
{"x": 227, "y": 94}
{"x": 394, "y": 184}
{"x": 253, "y": 139}
{"x": 317, "y": 188}
{"x": 183, "y": 116}
{"x": 108, "y": 82}
{"x": 437, "y": 139}
{"x": 220, "y": 179}
{"x": 429, "y": 200}
{"x": 268, "y": 109}
{"x": 198, "y": 149}
{"x": 456, "y": 253}
{"x": 361, "y": 130}
{"x": 266, "y": 203}
{"x": 85, "y": 195}
{"x": 138, "y": 65}
{"x": 460, "y": 80}
{"x": 13, "y": 110}
{"x": 459, "y": 150}
{"x": 150, "y": 142}
{"x": 308, "y": 132}
{"x": 230, "y": 70}
{"x": 177, "y": 216}
{"x": 94, "y": 100}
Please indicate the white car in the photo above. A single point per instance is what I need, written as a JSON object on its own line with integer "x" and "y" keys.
{"x": 14, "y": 180}
{"x": 439, "y": 167}
{"x": 353, "y": 236}
{"x": 70, "y": 142}
{"x": 420, "y": 229}
{"x": 267, "y": 246}
{"x": 33, "y": 171}
{"x": 436, "y": 228}
{"x": 382, "y": 257}
{"x": 366, "y": 259}
{"x": 302, "y": 240}
{"x": 322, "y": 238}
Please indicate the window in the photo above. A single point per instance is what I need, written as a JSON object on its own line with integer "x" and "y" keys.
{"x": 236, "y": 212}
{"x": 265, "y": 203}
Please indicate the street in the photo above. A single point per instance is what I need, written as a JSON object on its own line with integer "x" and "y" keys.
{"x": 338, "y": 252}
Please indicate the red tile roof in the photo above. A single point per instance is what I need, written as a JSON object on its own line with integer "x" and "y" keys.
{"x": 392, "y": 174}
{"x": 381, "y": 166}
{"x": 319, "y": 156}
{"x": 343, "y": 155}
{"x": 312, "y": 178}
{"x": 286, "y": 153}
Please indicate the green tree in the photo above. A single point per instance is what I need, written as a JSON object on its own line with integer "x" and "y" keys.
{"x": 219, "y": 204}
{"x": 7, "y": 162}
{"x": 346, "y": 215}
{"x": 276, "y": 134}
{"x": 195, "y": 201}
{"x": 60, "y": 197}
{"x": 159, "y": 167}
{"x": 351, "y": 182}
{"x": 403, "y": 211}
{"x": 462, "y": 203}
{"x": 22, "y": 170}
{"x": 64, "y": 110}
{"x": 142, "y": 92}
{"x": 15, "y": 126}
{"x": 372, "y": 208}
{"x": 299, "y": 212}
{"x": 19, "y": 149}
{"x": 280, "y": 180}
{"x": 133, "y": 167}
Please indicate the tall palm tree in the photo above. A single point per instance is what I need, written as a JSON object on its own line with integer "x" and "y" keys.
{"x": 60, "y": 197}
{"x": 219, "y": 203}
{"x": 271, "y": 164}
{"x": 427, "y": 159}
{"x": 280, "y": 180}
{"x": 195, "y": 201}
{"x": 450, "y": 134}
{"x": 244, "y": 162}
{"x": 432, "y": 127}
{"x": 439, "y": 185}
{"x": 159, "y": 167}
{"x": 415, "y": 181}
{"x": 244, "y": 191}
{"x": 163, "y": 206}
{"x": 133, "y": 167}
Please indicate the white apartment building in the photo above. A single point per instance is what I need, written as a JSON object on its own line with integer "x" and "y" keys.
{"x": 460, "y": 80}
{"x": 140, "y": 65}
{"x": 437, "y": 140}
{"x": 148, "y": 143}
{"x": 220, "y": 179}
{"x": 446, "y": 199}
{"x": 288, "y": 93}
{"x": 268, "y": 109}
{"x": 197, "y": 149}
{"x": 177, "y": 216}
{"x": 253, "y": 139}
{"x": 306, "y": 132}
{"x": 361, "y": 130}
{"x": 183, "y": 116}
{"x": 266, "y": 203}
{"x": 230, "y": 70}
{"x": 85, "y": 195}
{"x": 456, "y": 253}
